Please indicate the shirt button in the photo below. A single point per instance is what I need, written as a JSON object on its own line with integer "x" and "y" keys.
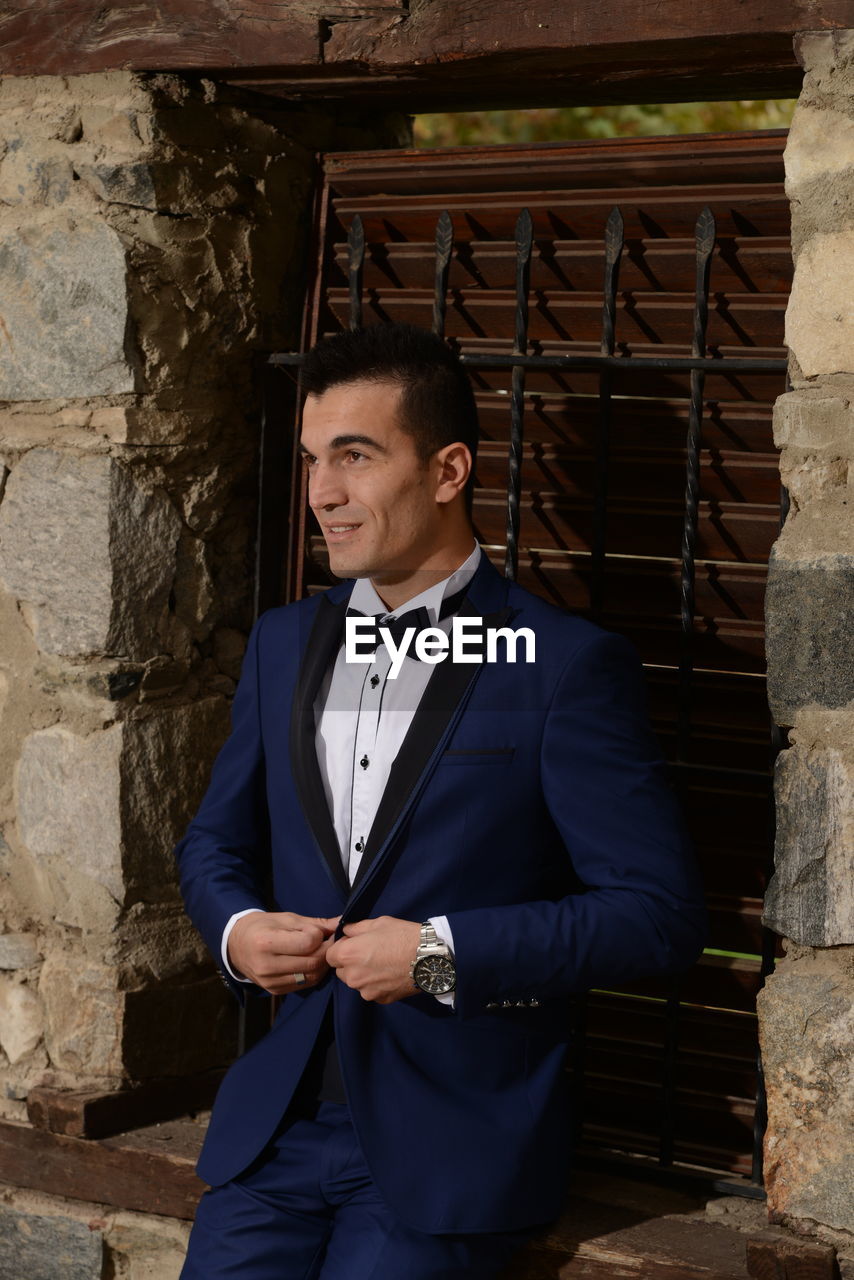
{"x": 374, "y": 681}
{"x": 358, "y": 846}
{"x": 364, "y": 762}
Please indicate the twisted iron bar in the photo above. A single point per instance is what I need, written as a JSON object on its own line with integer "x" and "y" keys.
{"x": 356, "y": 262}
{"x": 614, "y": 239}
{"x": 524, "y": 244}
{"x": 444, "y": 249}
{"x": 705, "y": 244}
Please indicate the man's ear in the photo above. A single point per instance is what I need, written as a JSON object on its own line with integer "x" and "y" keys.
{"x": 454, "y": 468}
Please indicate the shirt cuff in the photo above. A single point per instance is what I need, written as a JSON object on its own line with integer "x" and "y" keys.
{"x": 444, "y": 934}
{"x": 226, "y": 933}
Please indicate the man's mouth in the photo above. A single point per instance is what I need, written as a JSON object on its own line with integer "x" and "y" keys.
{"x": 337, "y": 531}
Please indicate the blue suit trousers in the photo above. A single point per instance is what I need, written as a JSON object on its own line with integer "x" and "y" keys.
{"x": 308, "y": 1209}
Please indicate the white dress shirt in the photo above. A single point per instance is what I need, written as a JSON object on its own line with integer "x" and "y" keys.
{"x": 361, "y": 719}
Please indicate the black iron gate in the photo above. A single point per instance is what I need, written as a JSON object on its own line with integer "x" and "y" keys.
{"x": 620, "y": 306}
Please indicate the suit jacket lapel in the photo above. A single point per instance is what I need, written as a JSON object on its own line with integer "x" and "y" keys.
{"x": 437, "y": 713}
{"x": 323, "y": 643}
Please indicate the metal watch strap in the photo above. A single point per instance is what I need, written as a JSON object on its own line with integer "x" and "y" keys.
{"x": 429, "y": 936}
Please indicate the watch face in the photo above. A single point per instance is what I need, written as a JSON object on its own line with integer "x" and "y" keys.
{"x": 435, "y": 975}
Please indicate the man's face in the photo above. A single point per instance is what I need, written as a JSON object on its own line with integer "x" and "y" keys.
{"x": 374, "y": 497}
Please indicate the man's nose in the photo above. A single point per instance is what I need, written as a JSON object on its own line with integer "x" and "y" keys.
{"x": 324, "y": 488}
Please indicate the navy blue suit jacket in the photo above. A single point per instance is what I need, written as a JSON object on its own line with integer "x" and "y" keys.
{"x": 530, "y": 805}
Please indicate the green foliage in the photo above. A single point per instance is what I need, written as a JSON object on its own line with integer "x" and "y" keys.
{"x": 560, "y": 124}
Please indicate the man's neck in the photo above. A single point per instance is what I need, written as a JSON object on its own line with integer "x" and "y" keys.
{"x": 396, "y": 593}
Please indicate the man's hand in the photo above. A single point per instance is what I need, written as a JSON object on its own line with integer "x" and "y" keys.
{"x": 374, "y": 958}
{"x": 271, "y": 946}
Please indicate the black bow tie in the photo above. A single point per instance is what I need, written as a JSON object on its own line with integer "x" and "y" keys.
{"x": 395, "y": 627}
{"x": 418, "y": 618}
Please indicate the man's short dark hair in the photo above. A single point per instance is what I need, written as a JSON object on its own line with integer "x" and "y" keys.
{"x": 437, "y": 405}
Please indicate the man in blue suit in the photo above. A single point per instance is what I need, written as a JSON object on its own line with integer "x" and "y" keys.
{"x": 427, "y": 852}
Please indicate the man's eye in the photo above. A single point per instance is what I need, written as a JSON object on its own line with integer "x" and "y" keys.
{"x": 354, "y": 455}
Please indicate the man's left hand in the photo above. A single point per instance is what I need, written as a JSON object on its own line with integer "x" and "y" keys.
{"x": 374, "y": 958}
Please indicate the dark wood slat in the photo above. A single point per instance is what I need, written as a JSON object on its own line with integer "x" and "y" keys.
{"x": 716, "y": 982}
{"x": 732, "y": 704}
{"x": 658, "y": 425}
{"x": 677, "y": 160}
{"x": 735, "y": 924}
{"x": 740, "y": 264}
{"x": 721, "y": 865}
{"x": 629, "y": 1119}
{"x": 698, "y": 1083}
{"x": 652, "y": 590}
{"x": 729, "y": 384}
{"x": 111, "y": 1171}
{"x": 756, "y": 320}
{"x": 654, "y": 473}
{"x": 727, "y": 531}
{"x": 707, "y": 1033}
{"x": 759, "y": 209}
{"x": 534, "y": 79}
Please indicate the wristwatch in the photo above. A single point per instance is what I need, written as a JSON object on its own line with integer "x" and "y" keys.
{"x": 433, "y": 968}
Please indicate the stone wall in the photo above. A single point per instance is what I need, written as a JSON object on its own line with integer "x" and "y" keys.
{"x": 153, "y": 233}
{"x": 806, "y": 1018}
{"x": 46, "y": 1237}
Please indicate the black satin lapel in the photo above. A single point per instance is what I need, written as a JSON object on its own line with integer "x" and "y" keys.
{"x": 323, "y": 643}
{"x": 435, "y": 715}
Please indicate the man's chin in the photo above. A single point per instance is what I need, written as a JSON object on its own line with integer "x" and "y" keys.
{"x": 343, "y": 567}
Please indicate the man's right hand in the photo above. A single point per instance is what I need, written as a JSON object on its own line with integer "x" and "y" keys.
{"x": 270, "y": 947}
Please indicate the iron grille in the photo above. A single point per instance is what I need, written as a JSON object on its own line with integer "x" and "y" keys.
{"x": 622, "y": 322}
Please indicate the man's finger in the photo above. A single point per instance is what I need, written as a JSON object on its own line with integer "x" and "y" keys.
{"x": 359, "y": 926}
{"x": 298, "y": 942}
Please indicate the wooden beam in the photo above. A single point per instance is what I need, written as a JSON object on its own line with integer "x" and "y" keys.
{"x": 96, "y": 1114}
{"x": 445, "y": 53}
{"x": 776, "y": 1255}
{"x": 64, "y": 37}
{"x": 142, "y": 1171}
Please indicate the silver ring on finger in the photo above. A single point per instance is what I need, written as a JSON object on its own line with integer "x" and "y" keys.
{"x": 299, "y": 979}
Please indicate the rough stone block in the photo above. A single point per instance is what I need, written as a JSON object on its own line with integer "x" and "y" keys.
{"x": 101, "y": 814}
{"x": 122, "y": 183}
{"x": 91, "y": 550}
{"x": 85, "y": 1016}
{"x": 820, "y": 144}
{"x": 815, "y": 421}
{"x": 146, "y": 1247}
{"x": 823, "y": 54}
{"x": 809, "y": 612}
{"x": 46, "y": 1247}
{"x": 21, "y": 1020}
{"x": 806, "y": 1020}
{"x": 69, "y": 816}
{"x": 40, "y": 179}
{"x": 68, "y": 282}
{"x": 165, "y": 769}
{"x": 18, "y": 951}
{"x": 156, "y": 945}
{"x": 820, "y": 314}
{"x": 810, "y": 898}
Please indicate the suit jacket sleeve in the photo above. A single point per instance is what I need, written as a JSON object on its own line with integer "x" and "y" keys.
{"x": 639, "y": 910}
{"x": 223, "y": 858}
